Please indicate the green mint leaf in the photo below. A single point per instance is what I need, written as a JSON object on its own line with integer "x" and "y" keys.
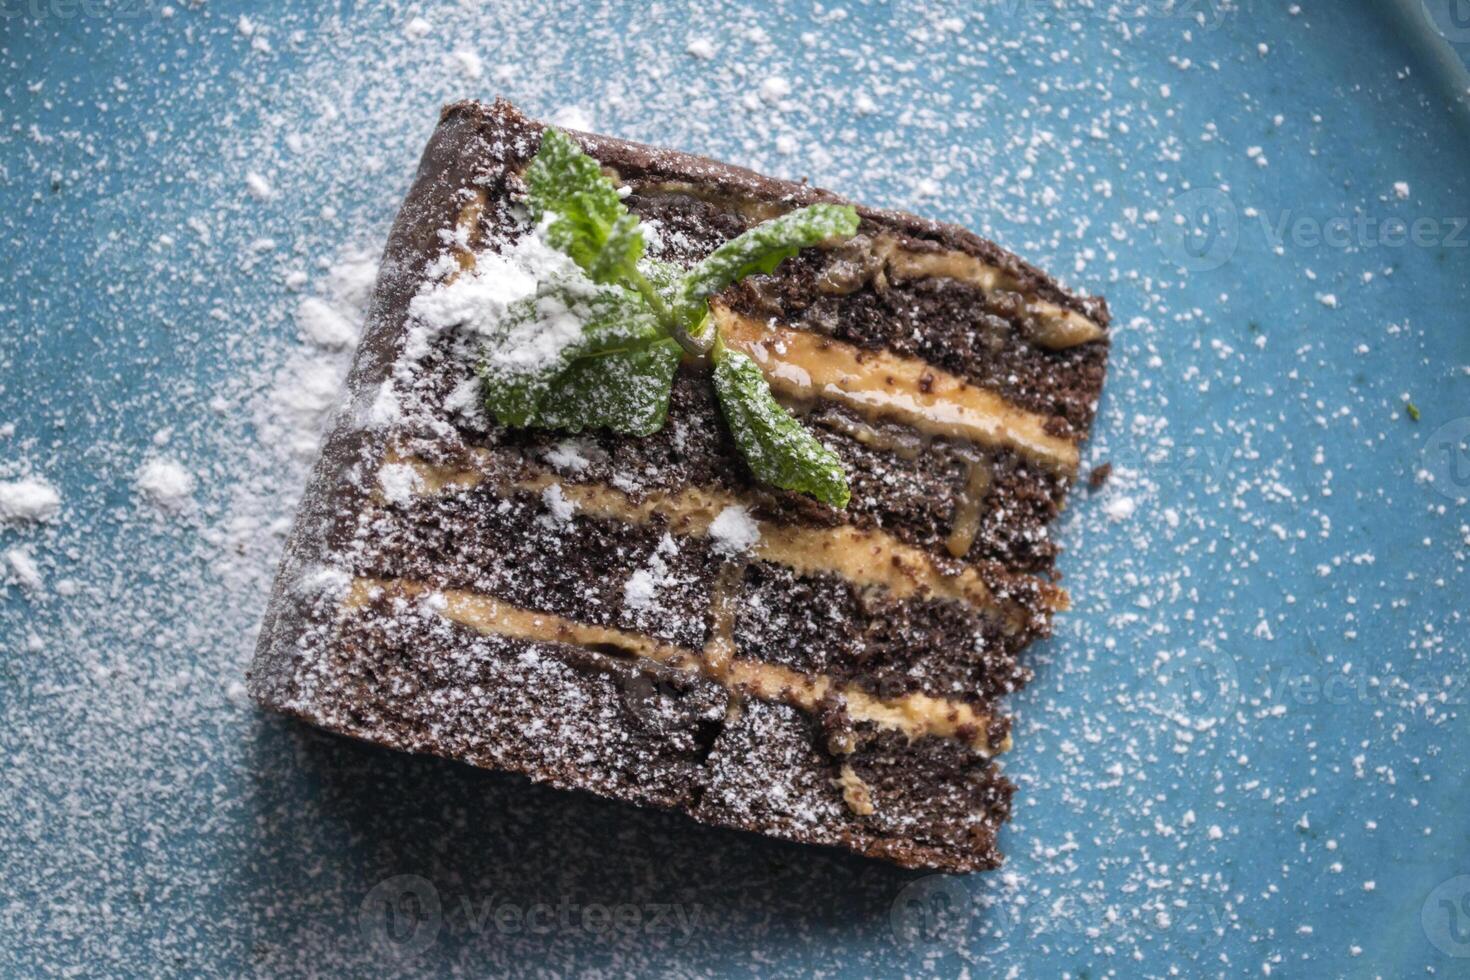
{"x": 624, "y": 390}
{"x": 511, "y": 391}
{"x": 617, "y": 371}
{"x": 778, "y": 448}
{"x": 589, "y": 222}
{"x": 764, "y": 247}
{"x": 617, "y": 262}
{"x": 524, "y": 362}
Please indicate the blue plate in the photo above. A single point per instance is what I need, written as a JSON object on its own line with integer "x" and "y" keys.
{"x": 1243, "y": 751}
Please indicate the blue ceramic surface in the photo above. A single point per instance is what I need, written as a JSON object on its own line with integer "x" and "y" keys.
{"x": 1244, "y": 752}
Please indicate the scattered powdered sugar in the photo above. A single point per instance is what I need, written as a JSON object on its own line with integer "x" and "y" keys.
{"x": 477, "y": 302}
{"x": 557, "y": 503}
{"x": 302, "y": 396}
{"x": 29, "y": 499}
{"x": 516, "y": 311}
{"x": 774, "y": 89}
{"x": 734, "y": 530}
{"x": 641, "y": 589}
{"x": 259, "y": 162}
{"x": 468, "y": 62}
{"x": 569, "y": 456}
{"x": 1119, "y": 507}
{"x": 259, "y": 187}
{"x": 573, "y": 117}
{"x": 399, "y": 482}
{"x": 323, "y": 325}
{"x": 165, "y": 483}
{"x": 324, "y": 581}
{"x": 23, "y": 569}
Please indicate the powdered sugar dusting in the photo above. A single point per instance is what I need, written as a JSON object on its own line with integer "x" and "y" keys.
{"x": 734, "y": 530}
{"x": 30, "y": 499}
{"x": 399, "y": 482}
{"x": 324, "y": 326}
{"x": 178, "y": 184}
{"x": 23, "y": 570}
{"x": 557, "y": 503}
{"x": 165, "y": 483}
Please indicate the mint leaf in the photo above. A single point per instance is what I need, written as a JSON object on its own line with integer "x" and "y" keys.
{"x": 778, "y": 448}
{"x": 624, "y": 390}
{"x": 543, "y": 336}
{"x": 764, "y": 247}
{"x": 566, "y": 360}
{"x": 589, "y": 222}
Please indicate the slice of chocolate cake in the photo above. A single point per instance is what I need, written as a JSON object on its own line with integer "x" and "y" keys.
{"x": 639, "y": 616}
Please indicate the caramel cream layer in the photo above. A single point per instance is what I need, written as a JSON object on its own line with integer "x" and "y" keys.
{"x": 970, "y": 509}
{"x": 1051, "y": 325}
{"x": 916, "y": 715}
{"x": 864, "y": 557}
{"x": 805, "y": 365}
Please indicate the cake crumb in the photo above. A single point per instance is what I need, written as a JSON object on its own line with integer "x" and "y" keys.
{"x": 855, "y": 793}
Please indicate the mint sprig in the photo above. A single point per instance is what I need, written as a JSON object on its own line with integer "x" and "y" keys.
{"x": 589, "y": 222}
{"x": 779, "y": 449}
{"x": 617, "y": 374}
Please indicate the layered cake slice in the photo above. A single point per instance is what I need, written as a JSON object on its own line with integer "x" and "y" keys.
{"x": 773, "y": 566}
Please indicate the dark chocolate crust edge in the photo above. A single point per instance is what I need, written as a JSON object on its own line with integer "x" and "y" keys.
{"x": 335, "y": 493}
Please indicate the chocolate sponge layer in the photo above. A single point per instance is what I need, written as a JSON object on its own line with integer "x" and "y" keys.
{"x": 584, "y": 719}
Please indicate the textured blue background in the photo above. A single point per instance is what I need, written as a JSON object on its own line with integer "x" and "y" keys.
{"x": 1244, "y": 750}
